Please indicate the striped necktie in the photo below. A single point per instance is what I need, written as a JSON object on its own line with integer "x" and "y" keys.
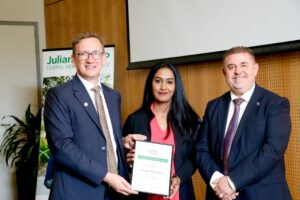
{"x": 231, "y": 132}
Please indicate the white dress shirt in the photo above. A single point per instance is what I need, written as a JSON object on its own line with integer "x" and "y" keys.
{"x": 216, "y": 175}
{"x": 88, "y": 86}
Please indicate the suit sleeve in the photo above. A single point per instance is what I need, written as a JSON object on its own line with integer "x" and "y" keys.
{"x": 61, "y": 138}
{"x": 205, "y": 160}
{"x": 269, "y": 157}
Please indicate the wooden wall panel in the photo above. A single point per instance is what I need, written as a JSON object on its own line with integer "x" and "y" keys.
{"x": 203, "y": 81}
{"x": 136, "y": 89}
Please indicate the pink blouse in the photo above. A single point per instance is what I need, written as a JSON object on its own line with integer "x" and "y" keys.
{"x": 158, "y": 136}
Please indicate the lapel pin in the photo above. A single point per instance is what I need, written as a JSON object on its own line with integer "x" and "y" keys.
{"x": 257, "y": 104}
{"x": 85, "y": 104}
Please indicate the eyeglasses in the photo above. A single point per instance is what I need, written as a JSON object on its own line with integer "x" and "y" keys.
{"x": 83, "y": 55}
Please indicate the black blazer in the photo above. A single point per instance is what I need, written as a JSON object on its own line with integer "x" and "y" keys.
{"x": 256, "y": 161}
{"x": 185, "y": 158}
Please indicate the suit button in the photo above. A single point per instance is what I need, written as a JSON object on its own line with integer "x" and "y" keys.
{"x": 103, "y": 148}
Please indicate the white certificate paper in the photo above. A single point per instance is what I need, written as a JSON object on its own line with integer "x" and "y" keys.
{"x": 152, "y": 168}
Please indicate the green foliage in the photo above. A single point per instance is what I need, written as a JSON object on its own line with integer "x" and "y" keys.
{"x": 44, "y": 151}
{"x": 20, "y": 145}
{"x": 50, "y": 82}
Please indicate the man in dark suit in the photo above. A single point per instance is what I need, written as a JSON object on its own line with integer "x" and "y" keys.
{"x": 250, "y": 166}
{"x": 76, "y": 137}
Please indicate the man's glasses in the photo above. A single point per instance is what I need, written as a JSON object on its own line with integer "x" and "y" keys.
{"x": 83, "y": 55}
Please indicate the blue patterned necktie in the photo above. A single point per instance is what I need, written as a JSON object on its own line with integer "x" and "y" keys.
{"x": 231, "y": 132}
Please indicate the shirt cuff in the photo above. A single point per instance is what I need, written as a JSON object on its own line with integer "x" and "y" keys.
{"x": 216, "y": 175}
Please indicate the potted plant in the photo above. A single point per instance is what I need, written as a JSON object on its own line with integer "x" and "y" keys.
{"x": 20, "y": 148}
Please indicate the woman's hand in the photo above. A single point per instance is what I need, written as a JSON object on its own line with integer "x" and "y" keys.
{"x": 129, "y": 140}
{"x": 130, "y": 157}
{"x": 174, "y": 187}
{"x": 129, "y": 144}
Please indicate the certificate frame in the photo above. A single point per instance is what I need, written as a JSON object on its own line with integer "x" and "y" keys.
{"x": 151, "y": 171}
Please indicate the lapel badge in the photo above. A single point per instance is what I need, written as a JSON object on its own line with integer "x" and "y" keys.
{"x": 85, "y": 104}
{"x": 257, "y": 103}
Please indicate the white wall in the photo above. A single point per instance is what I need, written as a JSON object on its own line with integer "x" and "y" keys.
{"x": 23, "y": 76}
{"x": 25, "y": 11}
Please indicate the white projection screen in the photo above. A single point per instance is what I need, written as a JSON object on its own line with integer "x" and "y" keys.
{"x": 185, "y": 31}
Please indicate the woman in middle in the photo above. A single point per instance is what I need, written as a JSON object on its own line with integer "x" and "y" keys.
{"x": 166, "y": 117}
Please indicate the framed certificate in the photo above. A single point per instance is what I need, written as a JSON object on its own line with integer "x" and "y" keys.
{"x": 152, "y": 168}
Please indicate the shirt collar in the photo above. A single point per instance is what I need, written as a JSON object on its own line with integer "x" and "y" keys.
{"x": 87, "y": 84}
{"x": 246, "y": 96}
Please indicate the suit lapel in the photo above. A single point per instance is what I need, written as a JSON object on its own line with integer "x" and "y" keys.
{"x": 251, "y": 109}
{"x": 223, "y": 112}
{"x": 83, "y": 97}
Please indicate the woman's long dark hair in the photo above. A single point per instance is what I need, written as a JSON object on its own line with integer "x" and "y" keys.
{"x": 181, "y": 115}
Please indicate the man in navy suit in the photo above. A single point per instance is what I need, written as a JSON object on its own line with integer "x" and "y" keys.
{"x": 75, "y": 135}
{"x": 255, "y": 168}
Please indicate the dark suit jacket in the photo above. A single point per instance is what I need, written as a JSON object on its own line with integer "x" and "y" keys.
{"x": 77, "y": 143}
{"x": 185, "y": 158}
{"x": 256, "y": 160}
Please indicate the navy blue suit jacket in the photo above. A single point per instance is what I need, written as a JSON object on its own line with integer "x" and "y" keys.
{"x": 256, "y": 160}
{"x": 77, "y": 143}
{"x": 185, "y": 158}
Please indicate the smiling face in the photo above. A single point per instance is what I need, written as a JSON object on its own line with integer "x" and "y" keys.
{"x": 90, "y": 67}
{"x": 163, "y": 85}
{"x": 240, "y": 70}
